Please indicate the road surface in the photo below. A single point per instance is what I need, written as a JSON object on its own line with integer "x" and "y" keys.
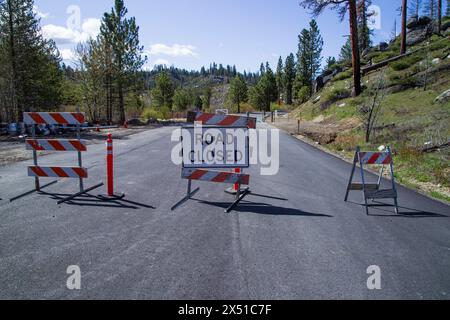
{"x": 294, "y": 238}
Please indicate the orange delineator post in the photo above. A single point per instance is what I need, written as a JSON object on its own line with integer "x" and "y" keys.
{"x": 110, "y": 165}
{"x": 236, "y": 185}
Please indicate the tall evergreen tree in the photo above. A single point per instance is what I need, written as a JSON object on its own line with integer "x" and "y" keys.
{"x": 303, "y": 60}
{"x": 330, "y": 62}
{"x": 363, "y": 28}
{"x": 315, "y": 50}
{"x": 343, "y": 6}
{"x": 279, "y": 77}
{"x": 238, "y": 92}
{"x": 346, "y": 51}
{"x": 30, "y": 72}
{"x": 309, "y": 55}
{"x": 265, "y": 92}
{"x": 163, "y": 92}
{"x": 414, "y": 8}
{"x": 262, "y": 69}
{"x": 289, "y": 77}
{"x": 123, "y": 37}
{"x": 430, "y": 8}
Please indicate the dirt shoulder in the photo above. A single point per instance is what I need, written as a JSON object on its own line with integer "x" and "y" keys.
{"x": 320, "y": 132}
{"x": 12, "y": 149}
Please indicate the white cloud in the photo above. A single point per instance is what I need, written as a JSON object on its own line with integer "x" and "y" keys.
{"x": 67, "y": 54}
{"x": 159, "y": 62}
{"x": 62, "y": 35}
{"x": 176, "y": 50}
{"x": 39, "y": 13}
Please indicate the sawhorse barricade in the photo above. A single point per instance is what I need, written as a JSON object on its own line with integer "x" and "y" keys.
{"x": 373, "y": 191}
{"x": 60, "y": 145}
{"x": 202, "y": 172}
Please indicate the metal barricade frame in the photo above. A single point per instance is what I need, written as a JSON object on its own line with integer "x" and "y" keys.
{"x": 372, "y": 191}
{"x": 58, "y": 145}
{"x": 199, "y": 174}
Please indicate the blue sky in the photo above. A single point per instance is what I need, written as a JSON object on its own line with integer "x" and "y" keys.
{"x": 193, "y": 33}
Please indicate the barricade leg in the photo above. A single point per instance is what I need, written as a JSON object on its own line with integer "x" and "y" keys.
{"x": 189, "y": 195}
{"x": 351, "y": 177}
{"x": 33, "y": 191}
{"x": 364, "y": 186}
{"x": 80, "y": 193}
{"x": 239, "y": 197}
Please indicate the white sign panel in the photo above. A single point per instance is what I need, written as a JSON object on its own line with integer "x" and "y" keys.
{"x": 215, "y": 147}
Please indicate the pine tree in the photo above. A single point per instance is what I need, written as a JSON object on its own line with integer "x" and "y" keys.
{"x": 303, "y": 60}
{"x": 346, "y": 51}
{"x": 30, "y": 73}
{"x": 309, "y": 56}
{"x": 317, "y": 7}
{"x": 238, "y": 92}
{"x": 163, "y": 92}
{"x": 279, "y": 77}
{"x": 414, "y": 8}
{"x": 430, "y": 9}
{"x": 331, "y": 61}
{"x": 363, "y": 28}
{"x": 123, "y": 37}
{"x": 315, "y": 51}
{"x": 262, "y": 69}
{"x": 289, "y": 77}
{"x": 265, "y": 92}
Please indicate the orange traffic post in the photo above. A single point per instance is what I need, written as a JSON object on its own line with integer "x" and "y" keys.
{"x": 110, "y": 171}
{"x": 235, "y": 187}
{"x": 110, "y": 165}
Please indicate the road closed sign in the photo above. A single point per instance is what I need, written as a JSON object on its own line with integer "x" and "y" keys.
{"x": 215, "y": 147}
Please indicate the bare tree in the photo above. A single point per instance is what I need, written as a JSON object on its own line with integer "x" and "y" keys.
{"x": 372, "y": 106}
{"x": 404, "y": 17}
{"x": 439, "y": 16}
{"x": 342, "y": 6}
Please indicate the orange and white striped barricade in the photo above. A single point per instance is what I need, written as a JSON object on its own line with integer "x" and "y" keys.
{"x": 57, "y": 145}
{"x": 221, "y": 119}
{"x": 372, "y": 191}
{"x": 201, "y": 171}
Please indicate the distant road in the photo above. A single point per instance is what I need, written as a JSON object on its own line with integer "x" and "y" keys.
{"x": 295, "y": 238}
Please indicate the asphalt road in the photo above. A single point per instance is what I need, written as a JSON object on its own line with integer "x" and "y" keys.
{"x": 295, "y": 238}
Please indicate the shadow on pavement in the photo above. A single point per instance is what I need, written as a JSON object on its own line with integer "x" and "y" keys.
{"x": 93, "y": 201}
{"x": 264, "y": 209}
{"x": 405, "y": 212}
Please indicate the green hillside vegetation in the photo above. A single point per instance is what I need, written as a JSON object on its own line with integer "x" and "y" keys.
{"x": 409, "y": 120}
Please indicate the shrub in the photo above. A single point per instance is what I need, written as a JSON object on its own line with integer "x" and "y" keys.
{"x": 165, "y": 112}
{"x": 337, "y": 94}
{"x": 344, "y": 75}
{"x": 384, "y": 56}
{"x": 303, "y": 95}
{"x": 347, "y": 142}
{"x": 150, "y": 113}
{"x": 406, "y": 62}
{"x": 439, "y": 45}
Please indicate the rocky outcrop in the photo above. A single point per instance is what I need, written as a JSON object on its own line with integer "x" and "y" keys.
{"x": 325, "y": 77}
{"x": 443, "y": 97}
{"x": 383, "y": 46}
{"x": 419, "y": 29}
